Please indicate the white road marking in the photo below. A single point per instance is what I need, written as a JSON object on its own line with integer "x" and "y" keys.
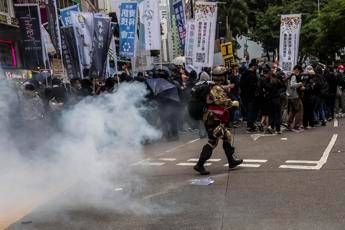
{"x": 302, "y": 162}
{"x": 152, "y": 163}
{"x": 319, "y": 164}
{"x": 298, "y": 167}
{"x": 254, "y": 161}
{"x": 190, "y": 142}
{"x": 210, "y": 160}
{"x": 257, "y": 136}
{"x": 191, "y": 164}
{"x": 167, "y": 159}
{"x": 246, "y": 165}
{"x": 336, "y": 122}
{"x": 180, "y": 146}
{"x": 327, "y": 151}
{"x": 148, "y": 163}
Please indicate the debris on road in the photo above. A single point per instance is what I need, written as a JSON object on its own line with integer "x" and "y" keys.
{"x": 202, "y": 182}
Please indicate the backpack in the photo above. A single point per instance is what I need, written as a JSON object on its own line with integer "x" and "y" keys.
{"x": 197, "y": 105}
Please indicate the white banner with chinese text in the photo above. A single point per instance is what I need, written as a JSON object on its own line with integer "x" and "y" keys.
{"x": 150, "y": 20}
{"x": 190, "y": 40}
{"x": 290, "y": 28}
{"x": 205, "y": 29}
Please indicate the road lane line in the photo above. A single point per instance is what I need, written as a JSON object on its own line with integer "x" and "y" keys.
{"x": 319, "y": 164}
{"x": 336, "y": 122}
{"x": 254, "y": 161}
{"x": 167, "y": 159}
{"x": 246, "y": 165}
{"x": 298, "y": 167}
{"x": 301, "y": 162}
{"x": 152, "y": 163}
{"x": 327, "y": 151}
{"x": 210, "y": 160}
{"x": 191, "y": 164}
{"x": 190, "y": 142}
{"x": 180, "y": 146}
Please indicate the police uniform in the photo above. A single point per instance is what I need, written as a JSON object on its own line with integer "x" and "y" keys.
{"x": 216, "y": 120}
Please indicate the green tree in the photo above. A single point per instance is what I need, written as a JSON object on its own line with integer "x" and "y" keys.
{"x": 266, "y": 28}
{"x": 237, "y": 13}
{"x": 332, "y": 24}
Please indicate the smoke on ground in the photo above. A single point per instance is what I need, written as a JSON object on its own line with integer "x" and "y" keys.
{"x": 87, "y": 150}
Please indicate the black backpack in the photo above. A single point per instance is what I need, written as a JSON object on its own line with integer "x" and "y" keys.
{"x": 197, "y": 105}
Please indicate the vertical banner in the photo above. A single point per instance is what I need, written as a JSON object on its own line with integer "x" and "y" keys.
{"x": 65, "y": 15}
{"x": 29, "y": 22}
{"x": 101, "y": 41}
{"x": 150, "y": 22}
{"x": 290, "y": 28}
{"x": 190, "y": 40}
{"x": 228, "y": 54}
{"x": 205, "y": 27}
{"x": 112, "y": 59}
{"x": 70, "y": 53}
{"x": 53, "y": 25}
{"x": 83, "y": 31}
{"x": 48, "y": 44}
{"x": 175, "y": 40}
{"x": 180, "y": 17}
{"x": 128, "y": 28}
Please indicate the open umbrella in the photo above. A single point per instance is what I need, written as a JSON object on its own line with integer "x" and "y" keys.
{"x": 179, "y": 60}
{"x": 161, "y": 88}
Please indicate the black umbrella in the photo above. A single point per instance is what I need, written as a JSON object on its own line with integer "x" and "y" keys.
{"x": 161, "y": 88}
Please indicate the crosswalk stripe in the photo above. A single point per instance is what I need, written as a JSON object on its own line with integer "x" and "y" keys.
{"x": 167, "y": 159}
{"x": 301, "y": 162}
{"x": 191, "y": 164}
{"x": 254, "y": 161}
{"x": 246, "y": 165}
{"x": 210, "y": 160}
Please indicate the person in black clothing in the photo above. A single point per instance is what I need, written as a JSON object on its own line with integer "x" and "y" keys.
{"x": 321, "y": 91}
{"x": 332, "y": 82}
{"x": 262, "y": 99}
{"x": 276, "y": 86}
{"x": 248, "y": 85}
{"x": 309, "y": 97}
{"x": 234, "y": 94}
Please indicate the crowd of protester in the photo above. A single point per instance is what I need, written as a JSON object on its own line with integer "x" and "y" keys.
{"x": 270, "y": 100}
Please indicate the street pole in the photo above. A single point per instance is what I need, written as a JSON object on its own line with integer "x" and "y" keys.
{"x": 318, "y": 6}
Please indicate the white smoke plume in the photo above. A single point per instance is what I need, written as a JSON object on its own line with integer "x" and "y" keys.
{"x": 87, "y": 151}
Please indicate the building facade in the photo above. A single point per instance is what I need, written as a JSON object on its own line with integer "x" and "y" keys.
{"x": 9, "y": 35}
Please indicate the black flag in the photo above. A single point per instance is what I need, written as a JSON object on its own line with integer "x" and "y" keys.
{"x": 70, "y": 52}
{"x": 101, "y": 42}
{"x": 29, "y": 22}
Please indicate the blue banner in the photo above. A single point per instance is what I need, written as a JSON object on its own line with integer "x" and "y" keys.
{"x": 65, "y": 15}
{"x": 128, "y": 28}
{"x": 180, "y": 17}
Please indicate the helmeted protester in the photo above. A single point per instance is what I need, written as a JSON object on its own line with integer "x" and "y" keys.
{"x": 216, "y": 120}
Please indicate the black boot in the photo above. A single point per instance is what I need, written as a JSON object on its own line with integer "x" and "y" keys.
{"x": 229, "y": 152}
{"x": 204, "y": 156}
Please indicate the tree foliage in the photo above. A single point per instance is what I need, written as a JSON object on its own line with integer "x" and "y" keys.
{"x": 322, "y": 34}
{"x": 237, "y": 11}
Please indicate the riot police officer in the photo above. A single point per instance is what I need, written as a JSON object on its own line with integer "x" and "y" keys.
{"x": 216, "y": 120}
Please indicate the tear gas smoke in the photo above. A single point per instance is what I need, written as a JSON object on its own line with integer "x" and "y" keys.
{"x": 87, "y": 150}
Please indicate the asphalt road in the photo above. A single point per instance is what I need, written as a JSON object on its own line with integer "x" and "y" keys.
{"x": 288, "y": 181}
